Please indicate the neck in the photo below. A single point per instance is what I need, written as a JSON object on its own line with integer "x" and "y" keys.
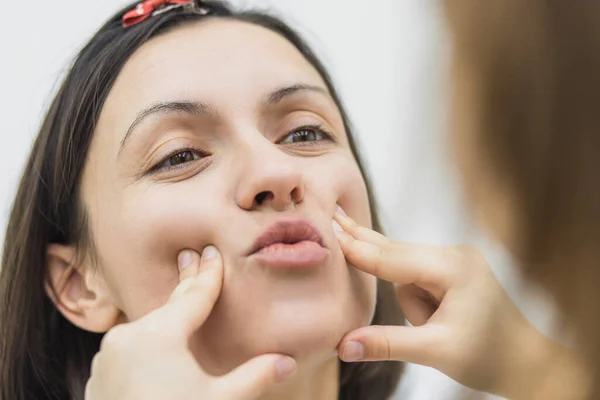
{"x": 312, "y": 381}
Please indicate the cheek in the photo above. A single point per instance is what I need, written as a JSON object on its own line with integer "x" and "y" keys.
{"x": 365, "y": 291}
{"x": 138, "y": 243}
{"x": 141, "y": 230}
{"x": 338, "y": 180}
{"x": 354, "y": 200}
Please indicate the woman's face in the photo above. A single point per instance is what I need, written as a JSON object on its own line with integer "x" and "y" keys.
{"x": 213, "y": 134}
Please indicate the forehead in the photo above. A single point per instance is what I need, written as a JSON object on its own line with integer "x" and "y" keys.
{"x": 215, "y": 60}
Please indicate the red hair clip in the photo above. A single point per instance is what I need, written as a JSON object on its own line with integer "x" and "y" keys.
{"x": 150, "y": 8}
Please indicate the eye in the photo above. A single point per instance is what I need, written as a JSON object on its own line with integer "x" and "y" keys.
{"x": 306, "y": 134}
{"x": 178, "y": 159}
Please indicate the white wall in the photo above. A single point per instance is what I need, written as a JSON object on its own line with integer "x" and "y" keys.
{"x": 388, "y": 58}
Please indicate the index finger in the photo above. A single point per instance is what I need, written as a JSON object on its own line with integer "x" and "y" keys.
{"x": 400, "y": 263}
{"x": 194, "y": 298}
{"x": 360, "y": 232}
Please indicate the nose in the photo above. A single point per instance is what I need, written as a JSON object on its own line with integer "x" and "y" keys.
{"x": 270, "y": 179}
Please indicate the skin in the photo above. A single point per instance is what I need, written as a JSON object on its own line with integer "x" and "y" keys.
{"x": 247, "y": 176}
{"x": 234, "y": 309}
{"x": 127, "y": 357}
{"x": 464, "y": 323}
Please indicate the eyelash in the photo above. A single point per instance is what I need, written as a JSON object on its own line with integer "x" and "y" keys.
{"x": 318, "y": 128}
{"x": 192, "y": 149}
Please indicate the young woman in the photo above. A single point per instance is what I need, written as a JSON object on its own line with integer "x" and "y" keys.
{"x": 183, "y": 126}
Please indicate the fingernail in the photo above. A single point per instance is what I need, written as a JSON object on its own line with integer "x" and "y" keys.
{"x": 209, "y": 253}
{"x": 336, "y": 227}
{"x": 353, "y": 351}
{"x": 185, "y": 259}
{"x": 340, "y": 211}
{"x": 285, "y": 368}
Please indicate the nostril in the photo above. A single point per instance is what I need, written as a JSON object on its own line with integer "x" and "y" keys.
{"x": 297, "y": 195}
{"x": 261, "y": 197}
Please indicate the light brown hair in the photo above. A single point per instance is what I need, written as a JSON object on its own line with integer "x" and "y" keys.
{"x": 531, "y": 72}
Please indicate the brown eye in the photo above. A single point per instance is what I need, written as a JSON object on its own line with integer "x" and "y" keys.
{"x": 179, "y": 159}
{"x": 303, "y": 135}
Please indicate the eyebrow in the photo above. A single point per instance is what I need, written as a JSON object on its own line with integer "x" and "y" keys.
{"x": 278, "y": 95}
{"x": 184, "y": 106}
{"x": 200, "y": 108}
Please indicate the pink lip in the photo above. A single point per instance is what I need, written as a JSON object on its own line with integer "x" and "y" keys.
{"x": 291, "y": 243}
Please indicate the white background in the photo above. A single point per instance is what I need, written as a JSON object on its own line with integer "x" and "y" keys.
{"x": 389, "y": 59}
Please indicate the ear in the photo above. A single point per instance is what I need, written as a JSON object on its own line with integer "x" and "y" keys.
{"x": 79, "y": 292}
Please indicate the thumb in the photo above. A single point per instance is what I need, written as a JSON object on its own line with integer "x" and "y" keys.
{"x": 417, "y": 345}
{"x": 200, "y": 284}
{"x": 252, "y": 379}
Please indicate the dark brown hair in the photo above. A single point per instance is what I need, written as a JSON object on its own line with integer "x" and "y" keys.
{"x": 42, "y": 355}
{"x": 531, "y": 70}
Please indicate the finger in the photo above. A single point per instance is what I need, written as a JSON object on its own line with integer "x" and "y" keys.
{"x": 252, "y": 379}
{"x": 416, "y": 304}
{"x": 189, "y": 263}
{"x": 421, "y": 257}
{"x": 359, "y": 232}
{"x": 399, "y": 263}
{"x": 416, "y": 345}
{"x": 193, "y": 299}
{"x": 195, "y": 270}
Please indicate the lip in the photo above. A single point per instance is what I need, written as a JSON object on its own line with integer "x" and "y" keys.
{"x": 290, "y": 243}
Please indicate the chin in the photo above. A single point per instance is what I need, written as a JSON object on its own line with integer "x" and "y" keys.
{"x": 308, "y": 329}
{"x": 262, "y": 310}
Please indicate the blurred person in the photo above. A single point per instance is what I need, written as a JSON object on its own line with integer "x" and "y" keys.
{"x": 526, "y": 134}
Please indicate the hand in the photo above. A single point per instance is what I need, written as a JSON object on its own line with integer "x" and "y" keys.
{"x": 464, "y": 323}
{"x": 150, "y": 359}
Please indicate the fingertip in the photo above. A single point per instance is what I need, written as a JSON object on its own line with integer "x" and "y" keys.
{"x": 187, "y": 261}
{"x": 185, "y": 258}
{"x": 336, "y": 226}
{"x": 285, "y": 368}
{"x": 352, "y": 351}
{"x": 253, "y": 378}
{"x": 210, "y": 253}
{"x": 211, "y": 261}
{"x": 344, "y": 220}
{"x": 339, "y": 210}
